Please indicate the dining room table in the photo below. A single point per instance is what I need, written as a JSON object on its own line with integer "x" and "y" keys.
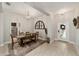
{"x": 23, "y": 38}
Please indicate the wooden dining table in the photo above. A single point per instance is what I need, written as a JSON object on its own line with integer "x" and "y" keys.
{"x": 26, "y": 37}
{"x": 20, "y": 39}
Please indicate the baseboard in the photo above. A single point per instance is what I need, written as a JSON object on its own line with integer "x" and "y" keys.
{"x": 66, "y": 41}
{"x": 1, "y": 45}
{"x": 5, "y": 43}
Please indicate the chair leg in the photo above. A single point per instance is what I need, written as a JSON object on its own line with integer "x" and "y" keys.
{"x": 12, "y": 42}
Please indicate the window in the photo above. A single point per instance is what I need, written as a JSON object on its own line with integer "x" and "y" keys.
{"x": 39, "y": 25}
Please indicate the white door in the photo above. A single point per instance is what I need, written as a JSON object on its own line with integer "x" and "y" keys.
{"x": 61, "y": 33}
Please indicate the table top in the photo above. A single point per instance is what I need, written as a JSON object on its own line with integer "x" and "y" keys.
{"x": 20, "y": 36}
{"x": 25, "y": 35}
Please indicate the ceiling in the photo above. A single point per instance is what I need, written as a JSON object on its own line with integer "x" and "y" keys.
{"x": 36, "y": 8}
{"x": 53, "y": 7}
{"x": 20, "y": 8}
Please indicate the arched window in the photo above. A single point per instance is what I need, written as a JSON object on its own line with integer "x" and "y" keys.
{"x": 39, "y": 25}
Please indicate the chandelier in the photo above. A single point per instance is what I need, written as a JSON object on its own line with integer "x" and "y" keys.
{"x": 28, "y": 14}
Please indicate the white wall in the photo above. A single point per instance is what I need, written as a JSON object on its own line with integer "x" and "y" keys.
{"x": 1, "y": 24}
{"x": 26, "y": 25}
{"x": 1, "y": 28}
{"x": 48, "y": 24}
{"x": 67, "y": 18}
{"x": 41, "y": 32}
{"x": 52, "y": 22}
{"x": 16, "y": 12}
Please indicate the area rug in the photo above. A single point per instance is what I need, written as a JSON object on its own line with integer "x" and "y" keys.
{"x": 21, "y": 51}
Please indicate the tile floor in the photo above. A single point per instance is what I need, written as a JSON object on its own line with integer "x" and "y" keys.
{"x": 56, "y": 48}
{"x": 18, "y": 50}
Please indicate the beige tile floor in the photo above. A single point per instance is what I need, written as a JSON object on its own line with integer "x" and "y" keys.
{"x": 6, "y": 50}
{"x": 3, "y": 50}
{"x": 56, "y": 48}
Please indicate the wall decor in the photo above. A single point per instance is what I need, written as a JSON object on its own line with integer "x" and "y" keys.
{"x": 62, "y": 26}
{"x": 76, "y": 22}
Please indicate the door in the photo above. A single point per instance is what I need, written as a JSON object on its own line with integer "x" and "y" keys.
{"x": 61, "y": 33}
